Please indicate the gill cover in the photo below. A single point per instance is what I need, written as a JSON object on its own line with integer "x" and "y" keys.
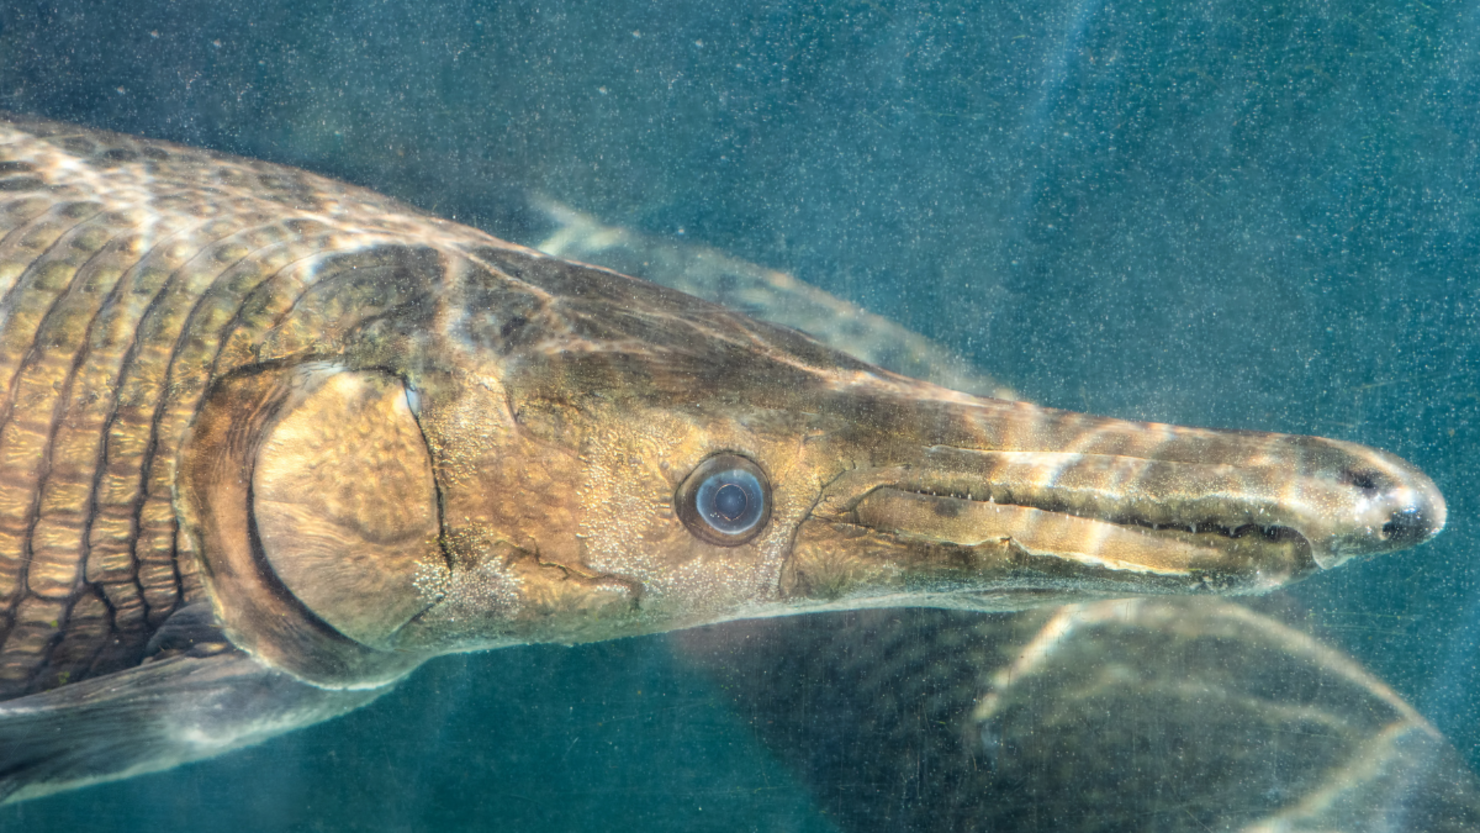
{"x": 311, "y": 491}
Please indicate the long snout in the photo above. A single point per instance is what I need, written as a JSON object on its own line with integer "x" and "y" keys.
{"x": 1002, "y": 504}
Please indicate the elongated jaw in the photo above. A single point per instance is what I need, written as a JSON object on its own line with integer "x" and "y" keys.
{"x": 1078, "y": 506}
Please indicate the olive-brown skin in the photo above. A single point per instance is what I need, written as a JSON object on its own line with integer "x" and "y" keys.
{"x": 361, "y": 436}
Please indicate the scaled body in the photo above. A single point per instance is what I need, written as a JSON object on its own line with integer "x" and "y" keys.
{"x": 271, "y": 440}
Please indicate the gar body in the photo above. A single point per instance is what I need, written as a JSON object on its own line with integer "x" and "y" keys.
{"x": 269, "y": 442}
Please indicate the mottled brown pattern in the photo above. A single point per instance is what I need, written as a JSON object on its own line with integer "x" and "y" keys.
{"x": 132, "y": 273}
{"x": 268, "y": 442}
{"x": 561, "y": 404}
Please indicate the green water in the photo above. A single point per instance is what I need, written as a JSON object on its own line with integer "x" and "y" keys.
{"x": 1217, "y": 213}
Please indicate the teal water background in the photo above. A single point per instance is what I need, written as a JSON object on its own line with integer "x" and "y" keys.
{"x": 1214, "y": 213}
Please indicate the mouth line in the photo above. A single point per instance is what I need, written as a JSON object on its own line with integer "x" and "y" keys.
{"x": 1202, "y": 531}
{"x": 1122, "y": 542}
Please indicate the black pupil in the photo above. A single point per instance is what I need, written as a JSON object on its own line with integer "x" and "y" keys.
{"x": 725, "y": 500}
{"x": 730, "y": 502}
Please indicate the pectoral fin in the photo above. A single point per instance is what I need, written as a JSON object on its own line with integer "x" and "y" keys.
{"x": 154, "y": 717}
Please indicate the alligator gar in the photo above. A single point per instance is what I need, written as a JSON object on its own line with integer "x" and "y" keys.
{"x": 268, "y": 442}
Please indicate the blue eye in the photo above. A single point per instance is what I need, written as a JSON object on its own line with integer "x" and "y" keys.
{"x": 726, "y": 500}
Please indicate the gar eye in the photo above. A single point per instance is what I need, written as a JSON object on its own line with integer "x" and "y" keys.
{"x": 726, "y": 500}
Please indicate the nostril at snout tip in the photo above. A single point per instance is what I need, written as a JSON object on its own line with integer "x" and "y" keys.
{"x": 1413, "y": 525}
{"x": 1405, "y": 528}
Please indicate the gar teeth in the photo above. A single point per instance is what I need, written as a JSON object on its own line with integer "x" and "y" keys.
{"x": 1149, "y": 522}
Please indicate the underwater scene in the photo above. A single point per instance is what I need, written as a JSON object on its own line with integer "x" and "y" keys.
{"x": 1233, "y": 216}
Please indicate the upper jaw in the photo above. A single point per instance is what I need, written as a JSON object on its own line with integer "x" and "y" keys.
{"x": 1030, "y": 525}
